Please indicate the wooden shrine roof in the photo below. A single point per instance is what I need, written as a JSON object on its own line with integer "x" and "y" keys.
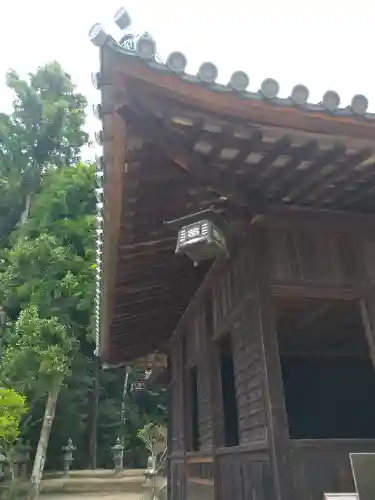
{"x": 173, "y": 145}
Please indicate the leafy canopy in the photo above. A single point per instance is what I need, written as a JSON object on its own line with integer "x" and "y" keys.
{"x": 47, "y": 285}
{"x": 50, "y": 264}
{"x": 12, "y": 408}
{"x": 44, "y": 131}
{"x": 37, "y": 353}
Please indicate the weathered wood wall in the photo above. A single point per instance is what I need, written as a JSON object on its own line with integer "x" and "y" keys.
{"x": 324, "y": 466}
{"x": 266, "y": 464}
{"x": 298, "y": 258}
{"x": 248, "y": 375}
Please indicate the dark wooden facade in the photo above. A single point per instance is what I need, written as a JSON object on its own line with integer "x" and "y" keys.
{"x": 272, "y": 350}
{"x": 272, "y": 265}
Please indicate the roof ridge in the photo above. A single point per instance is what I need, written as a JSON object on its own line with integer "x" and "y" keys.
{"x": 143, "y": 48}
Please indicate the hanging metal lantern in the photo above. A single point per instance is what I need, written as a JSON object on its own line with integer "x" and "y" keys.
{"x": 138, "y": 386}
{"x": 202, "y": 238}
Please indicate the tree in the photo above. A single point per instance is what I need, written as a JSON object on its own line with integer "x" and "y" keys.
{"x": 36, "y": 360}
{"x": 44, "y": 131}
{"x": 47, "y": 255}
{"x": 12, "y": 408}
{"x": 50, "y": 301}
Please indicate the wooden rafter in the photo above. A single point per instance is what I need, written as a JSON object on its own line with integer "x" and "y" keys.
{"x": 176, "y": 150}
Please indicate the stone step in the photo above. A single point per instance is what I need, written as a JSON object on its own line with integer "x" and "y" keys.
{"x": 132, "y": 484}
{"x": 97, "y": 473}
{"x": 91, "y": 496}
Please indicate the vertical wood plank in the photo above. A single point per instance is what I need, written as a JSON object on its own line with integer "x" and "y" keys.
{"x": 212, "y": 360}
{"x": 362, "y": 277}
{"x": 169, "y": 433}
{"x": 248, "y": 377}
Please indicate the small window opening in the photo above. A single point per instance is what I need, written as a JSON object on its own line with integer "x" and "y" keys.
{"x": 193, "y": 382}
{"x": 229, "y": 397}
{"x": 328, "y": 377}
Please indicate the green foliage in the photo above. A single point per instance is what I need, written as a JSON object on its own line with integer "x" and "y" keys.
{"x": 49, "y": 303}
{"x": 46, "y": 283}
{"x": 44, "y": 131}
{"x": 37, "y": 353}
{"x": 58, "y": 238}
{"x": 12, "y": 408}
{"x": 47, "y": 255}
{"x": 154, "y": 437}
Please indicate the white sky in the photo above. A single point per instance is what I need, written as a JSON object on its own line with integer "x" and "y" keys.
{"x": 324, "y": 44}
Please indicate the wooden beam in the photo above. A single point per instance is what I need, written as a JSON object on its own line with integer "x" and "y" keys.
{"x": 148, "y": 244}
{"x": 322, "y": 354}
{"x": 167, "y": 249}
{"x": 284, "y": 216}
{"x": 174, "y": 308}
{"x": 311, "y": 291}
{"x": 114, "y": 150}
{"x": 177, "y": 111}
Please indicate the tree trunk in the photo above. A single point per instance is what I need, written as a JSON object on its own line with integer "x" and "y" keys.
{"x": 94, "y": 420}
{"x": 123, "y": 404}
{"x": 26, "y": 210}
{"x": 41, "y": 451}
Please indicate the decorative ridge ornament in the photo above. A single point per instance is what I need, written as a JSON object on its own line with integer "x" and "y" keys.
{"x": 331, "y": 100}
{"x": 299, "y": 95}
{"x": 122, "y": 18}
{"x": 269, "y": 88}
{"x": 143, "y": 46}
{"x": 98, "y": 35}
{"x": 239, "y": 81}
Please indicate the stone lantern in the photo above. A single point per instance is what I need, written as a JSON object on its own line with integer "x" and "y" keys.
{"x": 21, "y": 459}
{"x": 3, "y": 462}
{"x": 118, "y": 456}
{"x": 68, "y": 450}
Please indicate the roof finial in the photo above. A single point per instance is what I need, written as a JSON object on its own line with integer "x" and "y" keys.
{"x": 122, "y": 19}
{"x": 98, "y": 35}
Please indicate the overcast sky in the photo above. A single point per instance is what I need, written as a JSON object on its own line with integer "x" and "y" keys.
{"x": 325, "y": 44}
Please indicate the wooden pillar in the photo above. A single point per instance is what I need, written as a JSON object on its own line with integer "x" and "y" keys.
{"x": 363, "y": 281}
{"x": 277, "y": 423}
{"x": 177, "y": 441}
{"x": 169, "y": 431}
{"x": 213, "y": 370}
